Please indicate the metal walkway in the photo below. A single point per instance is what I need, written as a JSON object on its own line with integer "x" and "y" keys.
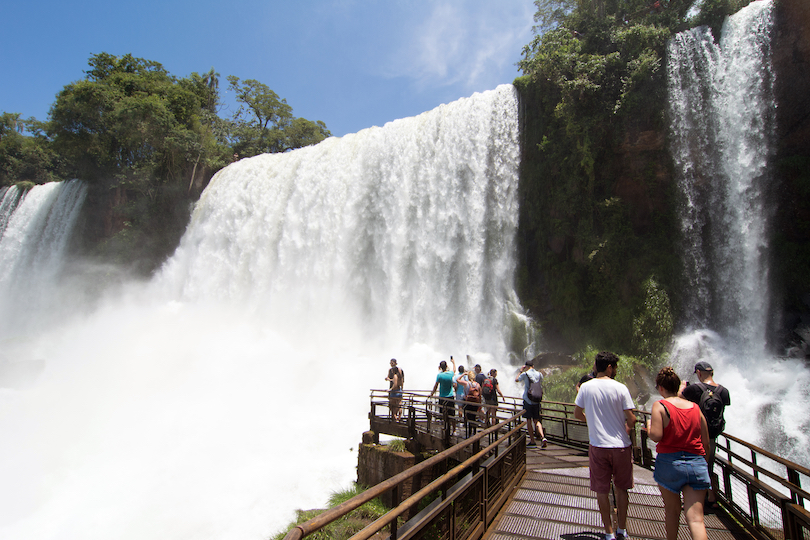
{"x": 554, "y": 501}
{"x": 491, "y": 486}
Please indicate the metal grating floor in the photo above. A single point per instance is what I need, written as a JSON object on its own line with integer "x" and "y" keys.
{"x": 554, "y": 502}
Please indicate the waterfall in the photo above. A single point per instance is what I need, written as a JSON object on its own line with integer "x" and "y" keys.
{"x": 408, "y": 228}
{"x": 35, "y": 228}
{"x": 722, "y": 114}
{"x": 722, "y": 110}
{"x": 232, "y": 389}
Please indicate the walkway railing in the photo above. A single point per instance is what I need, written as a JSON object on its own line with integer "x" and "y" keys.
{"x": 463, "y": 501}
{"x": 768, "y": 495}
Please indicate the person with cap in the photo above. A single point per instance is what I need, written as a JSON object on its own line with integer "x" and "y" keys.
{"x": 529, "y": 375}
{"x": 607, "y": 407}
{"x": 712, "y": 399}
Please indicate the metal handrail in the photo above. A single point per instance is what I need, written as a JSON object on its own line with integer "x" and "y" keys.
{"x": 510, "y": 438}
{"x": 771, "y": 509}
{"x": 436, "y": 484}
{"x": 794, "y": 471}
{"x": 557, "y": 417}
{"x": 744, "y": 493}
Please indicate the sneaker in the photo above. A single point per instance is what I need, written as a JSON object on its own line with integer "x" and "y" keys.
{"x": 622, "y": 534}
{"x": 545, "y": 443}
{"x": 531, "y": 445}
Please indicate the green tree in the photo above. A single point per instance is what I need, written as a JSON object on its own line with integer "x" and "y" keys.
{"x": 132, "y": 129}
{"x": 264, "y": 123}
{"x": 593, "y": 79}
{"x": 147, "y": 142}
{"x": 25, "y": 158}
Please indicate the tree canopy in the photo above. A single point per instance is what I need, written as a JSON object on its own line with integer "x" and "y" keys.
{"x": 132, "y": 128}
{"x": 264, "y": 123}
{"x": 129, "y": 122}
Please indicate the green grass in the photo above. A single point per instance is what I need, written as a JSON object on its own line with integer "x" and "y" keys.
{"x": 396, "y": 445}
{"x": 345, "y": 527}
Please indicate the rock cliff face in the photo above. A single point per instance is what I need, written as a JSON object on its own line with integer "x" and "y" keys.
{"x": 791, "y": 242}
{"x": 791, "y": 58}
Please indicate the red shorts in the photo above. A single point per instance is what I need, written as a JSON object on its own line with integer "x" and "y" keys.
{"x": 607, "y": 463}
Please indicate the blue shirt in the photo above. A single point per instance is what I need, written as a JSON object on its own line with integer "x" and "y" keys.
{"x": 528, "y": 377}
{"x": 445, "y": 380}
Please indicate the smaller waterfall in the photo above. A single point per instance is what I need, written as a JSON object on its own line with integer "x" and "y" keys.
{"x": 35, "y": 228}
{"x": 722, "y": 125}
{"x": 722, "y": 114}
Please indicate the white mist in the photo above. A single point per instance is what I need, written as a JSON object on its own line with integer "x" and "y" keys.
{"x": 233, "y": 388}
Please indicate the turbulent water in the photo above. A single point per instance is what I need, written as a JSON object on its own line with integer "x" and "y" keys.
{"x": 232, "y": 388}
{"x": 34, "y": 235}
{"x": 722, "y": 114}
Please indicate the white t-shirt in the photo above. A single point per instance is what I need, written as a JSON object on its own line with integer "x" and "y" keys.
{"x": 604, "y": 402}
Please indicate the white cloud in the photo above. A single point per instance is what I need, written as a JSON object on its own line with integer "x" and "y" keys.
{"x": 473, "y": 44}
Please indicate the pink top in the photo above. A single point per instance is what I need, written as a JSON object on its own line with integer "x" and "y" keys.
{"x": 682, "y": 434}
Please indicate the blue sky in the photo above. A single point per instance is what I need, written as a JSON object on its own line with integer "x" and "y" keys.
{"x": 351, "y": 63}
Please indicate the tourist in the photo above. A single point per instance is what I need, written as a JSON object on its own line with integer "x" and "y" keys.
{"x": 490, "y": 391}
{"x": 444, "y": 383}
{"x": 395, "y": 378}
{"x": 460, "y": 389}
{"x": 680, "y": 430}
{"x": 607, "y": 407}
{"x": 479, "y": 375}
{"x": 472, "y": 398}
{"x": 587, "y": 377}
{"x": 712, "y": 400}
{"x": 528, "y": 375}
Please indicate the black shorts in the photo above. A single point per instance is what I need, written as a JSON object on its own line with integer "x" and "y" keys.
{"x": 471, "y": 411}
{"x": 447, "y": 405}
{"x": 532, "y": 410}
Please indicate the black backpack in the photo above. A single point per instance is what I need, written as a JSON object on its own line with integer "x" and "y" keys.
{"x": 536, "y": 390}
{"x": 711, "y": 405}
{"x": 488, "y": 388}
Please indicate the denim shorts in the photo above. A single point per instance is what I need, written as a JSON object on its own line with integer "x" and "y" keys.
{"x": 675, "y": 470}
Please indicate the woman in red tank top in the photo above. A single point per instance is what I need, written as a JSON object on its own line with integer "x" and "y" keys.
{"x": 680, "y": 430}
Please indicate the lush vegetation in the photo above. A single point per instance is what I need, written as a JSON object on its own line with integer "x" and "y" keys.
{"x": 345, "y": 527}
{"x": 147, "y": 142}
{"x": 561, "y": 385}
{"x": 598, "y": 224}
